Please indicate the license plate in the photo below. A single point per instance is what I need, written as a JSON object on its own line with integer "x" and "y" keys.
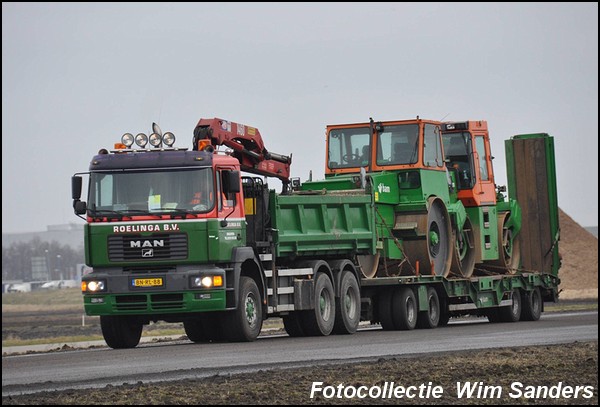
{"x": 147, "y": 282}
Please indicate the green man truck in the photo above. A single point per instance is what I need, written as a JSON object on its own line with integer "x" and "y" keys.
{"x": 406, "y": 229}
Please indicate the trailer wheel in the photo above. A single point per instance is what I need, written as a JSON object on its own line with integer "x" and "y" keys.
{"x": 292, "y": 324}
{"x": 444, "y": 311}
{"x": 121, "y": 332}
{"x": 532, "y": 305}
{"x": 511, "y": 313}
{"x": 320, "y": 320}
{"x": 431, "y": 318}
{"x": 244, "y": 323}
{"x": 405, "y": 309}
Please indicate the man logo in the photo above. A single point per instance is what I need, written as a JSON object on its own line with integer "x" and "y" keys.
{"x": 148, "y": 253}
{"x": 146, "y": 243}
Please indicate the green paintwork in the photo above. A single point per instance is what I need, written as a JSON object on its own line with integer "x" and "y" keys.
{"x": 207, "y": 240}
{"x": 188, "y": 303}
{"x": 432, "y": 183}
{"x": 324, "y": 224}
{"x": 485, "y": 223}
{"x": 385, "y": 188}
{"x": 333, "y": 183}
{"x": 457, "y": 210}
{"x": 514, "y": 220}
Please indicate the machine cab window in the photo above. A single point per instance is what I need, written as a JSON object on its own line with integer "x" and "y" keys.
{"x": 349, "y": 148}
{"x": 398, "y": 145}
{"x": 458, "y": 151}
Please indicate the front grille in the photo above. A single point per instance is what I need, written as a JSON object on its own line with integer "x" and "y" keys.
{"x": 157, "y": 302}
{"x": 131, "y": 302}
{"x": 167, "y": 301}
{"x": 164, "y": 246}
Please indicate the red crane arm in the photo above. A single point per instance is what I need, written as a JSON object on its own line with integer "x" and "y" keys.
{"x": 247, "y": 145}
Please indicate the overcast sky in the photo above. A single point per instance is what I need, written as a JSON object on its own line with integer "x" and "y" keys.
{"x": 75, "y": 77}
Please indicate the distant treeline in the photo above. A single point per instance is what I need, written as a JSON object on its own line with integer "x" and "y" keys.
{"x": 20, "y": 258}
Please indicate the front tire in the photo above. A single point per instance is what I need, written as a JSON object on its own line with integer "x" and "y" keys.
{"x": 205, "y": 328}
{"x": 244, "y": 323}
{"x": 121, "y": 332}
{"x": 195, "y": 330}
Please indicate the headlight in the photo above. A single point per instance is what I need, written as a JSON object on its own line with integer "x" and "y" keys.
{"x": 93, "y": 286}
{"x": 207, "y": 281}
{"x": 127, "y": 139}
{"x": 141, "y": 140}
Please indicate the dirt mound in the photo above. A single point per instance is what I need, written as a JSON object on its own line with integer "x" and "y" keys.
{"x": 579, "y": 250}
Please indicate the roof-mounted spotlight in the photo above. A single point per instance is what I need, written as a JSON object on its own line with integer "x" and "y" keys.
{"x": 141, "y": 140}
{"x": 155, "y": 140}
{"x": 127, "y": 139}
{"x": 168, "y": 139}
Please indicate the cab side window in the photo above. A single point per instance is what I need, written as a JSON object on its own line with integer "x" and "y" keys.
{"x": 481, "y": 154}
{"x": 432, "y": 154}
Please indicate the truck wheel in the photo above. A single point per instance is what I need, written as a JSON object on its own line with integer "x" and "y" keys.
{"x": 320, "y": 320}
{"x": 512, "y": 313}
{"x": 121, "y": 332}
{"x": 430, "y": 319}
{"x": 532, "y": 305}
{"x": 347, "y": 309}
{"x": 204, "y": 328}
{"x": 405, "y": 309}
{"x": 244, "y": 323}
{"x": 293, "y": 325}
{"x": 195, "y": 330}
{"x": 385, "y": 310}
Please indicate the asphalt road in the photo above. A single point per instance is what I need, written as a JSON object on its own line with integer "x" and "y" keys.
{"x": 183, "y": 359}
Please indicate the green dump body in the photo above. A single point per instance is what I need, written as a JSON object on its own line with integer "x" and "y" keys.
{"x": 323, "y": 224}
{"x": 531, "y": 170}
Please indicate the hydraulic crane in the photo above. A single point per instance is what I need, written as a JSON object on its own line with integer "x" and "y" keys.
{"x": 247, "y": 145}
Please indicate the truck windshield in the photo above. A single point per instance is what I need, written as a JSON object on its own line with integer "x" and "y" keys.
{"x": 145, "y": 192}
{"x": 349, "y": 148}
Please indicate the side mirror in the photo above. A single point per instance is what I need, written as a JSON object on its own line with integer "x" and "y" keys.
{"x": 80, "y": 207}
{"x": 76, "y": 182}
{"x": 231, "y": 181}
